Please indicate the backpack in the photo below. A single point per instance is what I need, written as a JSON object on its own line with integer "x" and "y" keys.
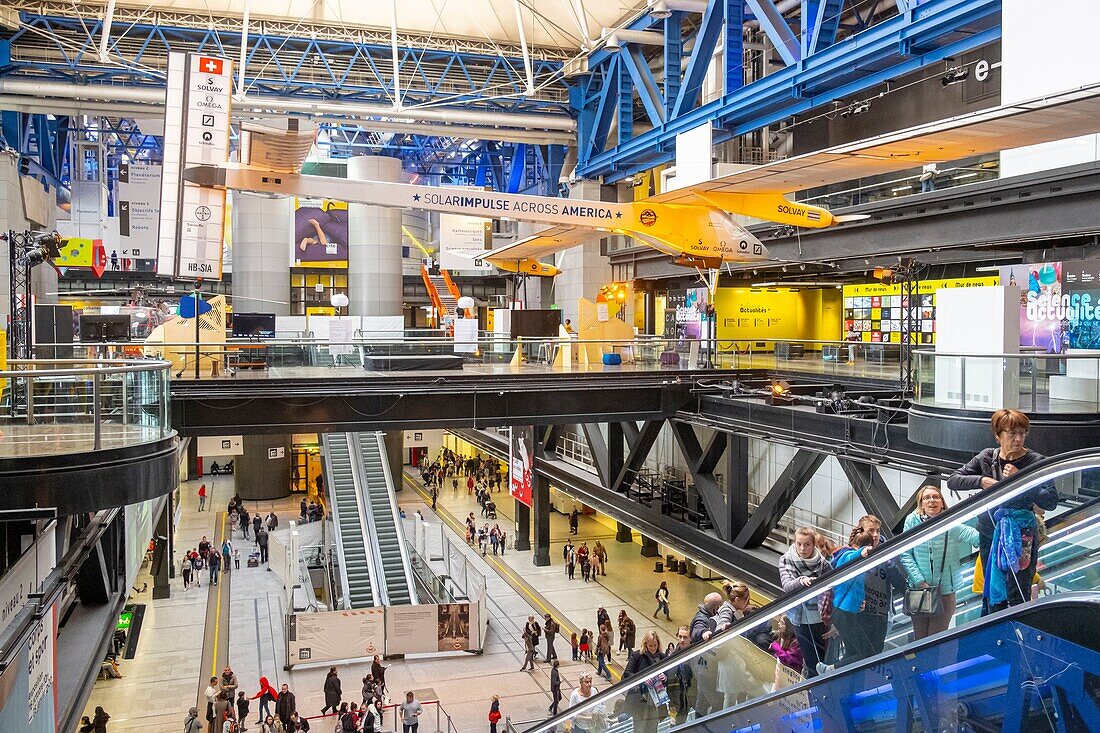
{"x": 657, "y": 594}
{"x": 348, "y": 723}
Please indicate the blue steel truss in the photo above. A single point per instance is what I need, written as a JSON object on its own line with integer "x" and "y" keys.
{"x": 284, "y": 65}
{"x": 841, "y": 49}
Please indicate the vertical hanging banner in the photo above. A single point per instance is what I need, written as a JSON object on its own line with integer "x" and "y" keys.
{"x": 196, "y": 132}
{"x": 139, "y": 188}
{"x": 521, "y": 451}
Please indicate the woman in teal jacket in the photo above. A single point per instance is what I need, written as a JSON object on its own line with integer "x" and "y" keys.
{"x": 936, "y": 563}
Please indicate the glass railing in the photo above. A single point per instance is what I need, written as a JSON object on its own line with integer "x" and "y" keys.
{"x": 1032, "y": 382}
{"x": 739, "y": 666}
{"x": 59, "y": 406}
{"x": 879, "y": 190}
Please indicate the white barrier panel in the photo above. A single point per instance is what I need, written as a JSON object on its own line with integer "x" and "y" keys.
{"x": 424, "y": 629}
{"x": 332, "y": 636}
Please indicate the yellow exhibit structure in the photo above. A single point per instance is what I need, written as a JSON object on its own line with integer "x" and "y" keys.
{"x": 170, "y": 341}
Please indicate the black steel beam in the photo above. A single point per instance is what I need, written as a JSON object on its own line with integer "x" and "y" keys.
{"x": 737, "y": 481}
{"x": 597, "y": 446}
{"x": 630, "y": 432}
{"x": 350, "y": 404}
{"x": 779, "y": 498}
{"x": 755, "y": 569}
{"x": 701, "y": 466}
{"x": 874, "y": 494}
{"x": 635, "y": 459}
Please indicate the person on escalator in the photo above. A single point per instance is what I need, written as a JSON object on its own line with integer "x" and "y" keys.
{"x": 1011, "y": 529}
{"x": 799, "y": 567}
{"x": 648, "y": 702}
{"x": 935, "y": 564}
{"x": 863, "y": 605}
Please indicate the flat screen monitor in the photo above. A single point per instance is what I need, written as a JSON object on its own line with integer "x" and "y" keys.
{"x": 254, "y": 325}
{"x": 535, "y": 323}
{"x": 103, "y": 328}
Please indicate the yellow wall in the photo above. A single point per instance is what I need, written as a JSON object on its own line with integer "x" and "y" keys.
{"x": 778, "y": 313}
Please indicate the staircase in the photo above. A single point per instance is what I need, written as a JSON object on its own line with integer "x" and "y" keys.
{"x": 347, "y": 515}
{"x": 389, "y": 534}
{"x": 449, "y": 302}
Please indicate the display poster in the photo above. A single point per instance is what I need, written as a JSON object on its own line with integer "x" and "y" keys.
{"x": 465, "y": 335}
{"x": 28, "y": 686}
{"x": 138, "y": 212}
{"x": 463, "y": 241}
{"x": 520, "y": 461}
{"x": 453, "y": 630}
{"x": 26, "y": 576}
{"x": 340, "y": 334}
{"x": 684, "y": 313}
{"x": 875, "y": 312}
{"x": 412, "y": 629}
{"x": 1059, "y": 304}
{"x": 320, "y": 233}
{"x": 331, "y": 636}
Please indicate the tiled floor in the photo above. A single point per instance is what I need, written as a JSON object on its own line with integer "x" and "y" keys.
{"x": 165, "y": 678}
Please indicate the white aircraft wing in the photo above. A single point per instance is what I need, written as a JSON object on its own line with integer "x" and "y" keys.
{"x": 546, "y": 242}
{"x": 1045, "y": 119}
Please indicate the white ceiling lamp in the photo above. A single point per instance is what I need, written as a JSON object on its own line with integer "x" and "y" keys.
{"x": 662, "y": 9}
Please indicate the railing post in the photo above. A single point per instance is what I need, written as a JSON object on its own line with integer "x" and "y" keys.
{"x": 95, "y": 412}
{"x": 125, "y": 400}
{"x": 962, "y": 382}
{"x": 30, "y": 399}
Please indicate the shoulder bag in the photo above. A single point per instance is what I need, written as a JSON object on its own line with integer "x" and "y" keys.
{"x": 926, "y": 601}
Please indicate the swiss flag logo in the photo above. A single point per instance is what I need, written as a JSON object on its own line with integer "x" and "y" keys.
{"x": 209, "y": 65}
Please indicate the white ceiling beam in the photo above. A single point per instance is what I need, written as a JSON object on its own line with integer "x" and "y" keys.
{"x": 528, "y": 71}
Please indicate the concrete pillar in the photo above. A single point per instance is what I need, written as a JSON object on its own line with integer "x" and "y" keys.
{"x": 623, "y": 533}
{"x": 584, "y": 269}
{"x": 523, "y": 526}
{"x": 263, "y": 470}
{"x": 374, "y": 244}
{"x": 261, "y": 266}
{"x": 649, "y": 547}
{"x": 395, "y": 455}
{"x": 163, "y": 564}
{"x": 540, "y": 515}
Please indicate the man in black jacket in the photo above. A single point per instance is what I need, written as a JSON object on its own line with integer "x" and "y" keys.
{"x": 285, "y": 706}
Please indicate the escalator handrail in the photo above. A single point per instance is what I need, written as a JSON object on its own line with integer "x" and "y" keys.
{"x": 334, "y": 511}
{"x": 395, "y": 515}
{"x": 1077, "y": 598}
{"x": 1040, "y": 472}
{"x": 375, "y": 564}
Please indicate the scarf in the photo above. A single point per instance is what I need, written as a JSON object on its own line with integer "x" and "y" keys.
{"x": 1006, "y": 551}
{"x": 812, "y": 567}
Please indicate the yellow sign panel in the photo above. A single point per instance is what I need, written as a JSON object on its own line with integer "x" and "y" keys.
{"x": 746, "y": 314}
{"x": 879, "y": 313}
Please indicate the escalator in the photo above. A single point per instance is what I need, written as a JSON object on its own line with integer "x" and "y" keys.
{"x": 351, "y": 523}
{"x": 1033, "y": 667}
{"x": 443, "y": 293}
{"x": 398, "y": 586}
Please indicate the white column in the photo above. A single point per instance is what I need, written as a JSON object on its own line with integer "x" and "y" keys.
{"x": 374, "y": 244}
{"x": 263, "y": 228}
{"x": 584, "y": 269}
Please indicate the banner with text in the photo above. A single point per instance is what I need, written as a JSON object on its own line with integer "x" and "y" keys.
{"x": 320, "y": 233}
{"x": 138, "y": 211}
{"x": 1059, "y": 304}
{"x": 463, "y": 241}
{"x": 331, "y": 636}
{"x": 425, "y": 629}
{"x": 521, "y": 450}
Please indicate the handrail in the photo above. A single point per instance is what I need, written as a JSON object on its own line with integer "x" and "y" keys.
{"x": 1022, "y": 355}
{"x": 119, "y": 366}
{"x": 1040, "y": 472}
{"x": 334, "y": 513}
{"x": 395, "y": 513}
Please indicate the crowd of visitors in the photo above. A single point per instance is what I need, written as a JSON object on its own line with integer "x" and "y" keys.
{"x": 482, "y": 474}
{"x": 847, "y": 622}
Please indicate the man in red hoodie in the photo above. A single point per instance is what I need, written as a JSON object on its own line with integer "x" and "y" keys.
{"x": 202, "y": 497}
{"x": 267, "y": 695}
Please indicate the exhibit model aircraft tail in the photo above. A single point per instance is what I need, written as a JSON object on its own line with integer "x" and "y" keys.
{"x": 693, "y": 224}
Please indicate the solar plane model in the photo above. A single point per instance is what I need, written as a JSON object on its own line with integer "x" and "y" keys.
{"x": 694, "y": 225}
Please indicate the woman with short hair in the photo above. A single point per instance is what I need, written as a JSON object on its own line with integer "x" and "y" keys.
{"x": 1006, "y": 585}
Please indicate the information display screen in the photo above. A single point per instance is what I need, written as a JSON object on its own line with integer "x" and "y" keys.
{"x": 254, "y": 325}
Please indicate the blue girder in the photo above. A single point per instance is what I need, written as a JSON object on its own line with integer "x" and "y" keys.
{"x": 824, "y": 70}
{"x": 306, "y": 68}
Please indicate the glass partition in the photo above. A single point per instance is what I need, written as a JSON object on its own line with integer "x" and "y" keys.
{"x": 56, "y": 406}
{"x": 863, "y": 599}
{"x": 1032, "y": 382}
